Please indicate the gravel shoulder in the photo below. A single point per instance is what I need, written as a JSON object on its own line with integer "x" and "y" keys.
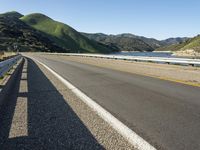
{"x": 184, "y": 74}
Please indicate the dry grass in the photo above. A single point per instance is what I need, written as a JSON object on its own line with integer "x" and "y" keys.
{"x": 5, "y": 55}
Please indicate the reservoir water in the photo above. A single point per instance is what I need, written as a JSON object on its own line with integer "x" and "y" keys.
{"x": 147, "y": 54}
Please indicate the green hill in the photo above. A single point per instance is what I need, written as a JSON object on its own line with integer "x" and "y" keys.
{"x": 14, "y": 32}
{"x": 64, "y": 35}
{"x": 193, "y": 43}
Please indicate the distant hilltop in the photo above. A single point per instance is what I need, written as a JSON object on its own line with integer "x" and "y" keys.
{"x": 130, "y": 42}
{"x": 38, "y": 32}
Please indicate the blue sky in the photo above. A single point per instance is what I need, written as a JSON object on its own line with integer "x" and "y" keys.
{"x": 151, "y": 18}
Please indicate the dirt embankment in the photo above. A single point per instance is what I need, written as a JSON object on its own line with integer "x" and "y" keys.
{"x": 188, "y": 53}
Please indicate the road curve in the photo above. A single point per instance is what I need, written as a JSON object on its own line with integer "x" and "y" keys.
{"x": 166, "y": 114}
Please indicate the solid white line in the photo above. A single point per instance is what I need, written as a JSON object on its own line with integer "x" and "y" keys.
{"x": 137, "y": 141}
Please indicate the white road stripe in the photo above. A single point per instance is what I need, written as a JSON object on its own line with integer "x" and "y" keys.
{"x": 137, "y": 141}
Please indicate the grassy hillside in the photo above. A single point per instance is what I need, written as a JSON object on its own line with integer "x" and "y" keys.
{"x": 64, "y": 35}
{"x": 13, "y": 32}
{"x": 193, "y": 43}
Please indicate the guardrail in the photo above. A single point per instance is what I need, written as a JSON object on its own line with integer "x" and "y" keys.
{"x": 6, "y": 65}
{"x": 162, "y": 60}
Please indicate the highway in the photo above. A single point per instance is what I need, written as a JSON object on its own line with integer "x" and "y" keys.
{"x": 164, "y": 113}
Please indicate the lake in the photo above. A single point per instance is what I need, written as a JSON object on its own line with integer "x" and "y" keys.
{"x": 147, "y": 54}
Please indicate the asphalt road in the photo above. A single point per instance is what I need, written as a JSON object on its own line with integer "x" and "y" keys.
{"x": 41, "y": 113}
{"x": 166, "y": 114}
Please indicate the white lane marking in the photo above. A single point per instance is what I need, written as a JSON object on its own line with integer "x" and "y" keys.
{"x": 137, "y": 141}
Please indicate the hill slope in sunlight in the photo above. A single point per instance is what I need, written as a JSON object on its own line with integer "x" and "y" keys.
{"x": 64, "y": 35}
{"x": 13, "y": 31}
{"x": 189, "y": 44}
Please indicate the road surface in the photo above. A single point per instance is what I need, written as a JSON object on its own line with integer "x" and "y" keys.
{"x": 164, "y": 113}
{"x": 40, "y": 113}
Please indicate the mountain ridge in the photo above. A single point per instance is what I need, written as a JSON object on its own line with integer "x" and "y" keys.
{"x": 45, "y": 31}
{"x": 150, "y": 43}
{"x": 64, "y": 35}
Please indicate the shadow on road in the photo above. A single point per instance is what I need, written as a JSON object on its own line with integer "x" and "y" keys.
{"x": 51, "y": 123}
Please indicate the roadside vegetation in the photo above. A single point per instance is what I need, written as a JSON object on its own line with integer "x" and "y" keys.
{"x": 6, "y": 55}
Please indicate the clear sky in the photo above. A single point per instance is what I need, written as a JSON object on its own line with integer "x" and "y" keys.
{"x": 151, "y": 18}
